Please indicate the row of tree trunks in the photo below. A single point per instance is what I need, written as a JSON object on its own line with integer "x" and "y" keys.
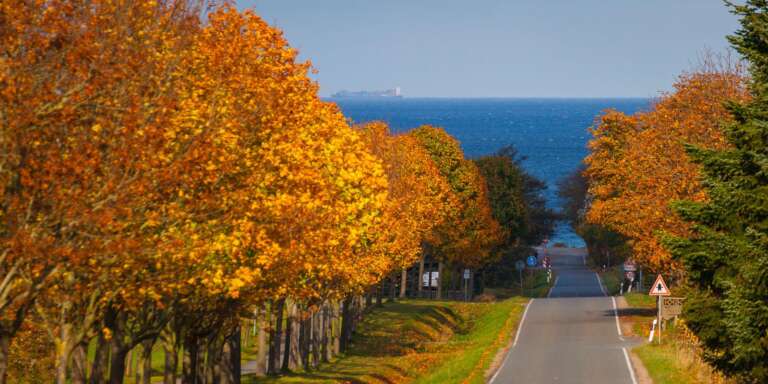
{"x": 301, "y": 337}
{"x": 288, "y": 335}
{"x": 454, "y": 282}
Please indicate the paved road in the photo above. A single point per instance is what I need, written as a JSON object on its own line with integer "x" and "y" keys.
{"x": 570, "y": 337}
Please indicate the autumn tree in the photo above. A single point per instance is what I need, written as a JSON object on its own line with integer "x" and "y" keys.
{"x": 470, "y": 232}
{"x": 419, "y": 197}
{"x": 168, "y": 170}
{"x": 606, "y": 247}
{"x": 638, "y": 165}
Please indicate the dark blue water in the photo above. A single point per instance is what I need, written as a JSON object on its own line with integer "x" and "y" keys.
{"x": 551, "y": 133}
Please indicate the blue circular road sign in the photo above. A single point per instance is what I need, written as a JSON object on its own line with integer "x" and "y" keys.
{"x": 531, "y": 261}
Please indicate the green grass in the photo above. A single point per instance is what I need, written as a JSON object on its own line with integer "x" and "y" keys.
{"x": 640, "y": 300}
{"x": 672, "y": 362}
{"x": 475, "y": 350}
{"x": 612, "y": 278}
{"x": 425, "y": 341}
{"x": 662, "y": 364}
{"x": 534, "y": 285}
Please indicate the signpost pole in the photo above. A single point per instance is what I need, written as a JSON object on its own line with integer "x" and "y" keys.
{"x": 465, "y": 289}
{"x": 658, "y": 302}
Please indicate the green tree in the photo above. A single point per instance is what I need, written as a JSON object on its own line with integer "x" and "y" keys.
{"x": 518, "y": 205}
{"x": 727, "y": 258}
{"x": 505, "y": 180}
{"x": 516, "y": 197}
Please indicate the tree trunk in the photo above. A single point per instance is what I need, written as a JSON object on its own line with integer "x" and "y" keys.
{"x": 101, "y": 358}
{"x": 346, "y": 324}
{"x": 171, "y": 362}
{"x": 403, "y": 282}
{"x": 291, "y": 314}
{"x": 336, "y": 330}
{"x": 80, "y": 364}
{"x": 189, "y": 368}
{"x": 146, "y": 361}
{"x": 5, "y": 344}
{"x": 117, "y": 356}
{"x": 213, "y": 360}
{"x": 230, "y": 358}
{"x": 261, "y": 340}
{"x": 276, "y": 337}
{"x": 471, "y": 287}
{"x": 439, "y": 280}
{"x": 62, "y": 353}
{"x": 419, "y": 279}
{"x": 100, "y": 361}
{"x": 134, "y": 363}
{"x": 380, "y": 293}
{"x": 325, "y": 330}
{"x": 315, "y": 339}
{"x": 392, "y": 287}
{"x": 458, "y": 278}
{"x": 304, "y": 343}
{"x": 295, "y": 355}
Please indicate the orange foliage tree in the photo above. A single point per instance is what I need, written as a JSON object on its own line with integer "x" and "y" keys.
{"x": 638, "y": 164}
{"x": 419, "y": 197}
{"x": 161, "y": 176}
{"x": 161, "y": 168}
{"x": 470, "y": 233}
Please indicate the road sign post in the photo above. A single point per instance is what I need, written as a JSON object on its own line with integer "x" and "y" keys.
{"x": 659, "y": 289}
{"x": 466, "y": 284}
{"x": 520, "y": 265}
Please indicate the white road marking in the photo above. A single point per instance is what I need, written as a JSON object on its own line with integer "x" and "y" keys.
{"x": 500, "y": 368}
{"x": 616, "y": 316}
{"x": 553, "y": 286}
{"x": 522, "y": 319}
{"x": 514, "y": 343}
{"x": 629, "y": 366}
{"x": 600, "y": 282}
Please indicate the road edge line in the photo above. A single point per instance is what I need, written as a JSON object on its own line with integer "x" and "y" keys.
{"x": 517, "y": 334}
{"x": 629, "y": 365}
{"x": 600, "y": 283}
{"x": 522, "y": 320}
{"x": 552, "y": 288}
{"x": 616, "y": 316}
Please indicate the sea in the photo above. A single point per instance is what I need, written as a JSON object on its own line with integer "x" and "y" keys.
{"x": 551, "y": 133}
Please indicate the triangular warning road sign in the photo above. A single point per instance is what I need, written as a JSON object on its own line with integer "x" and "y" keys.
{"x": 659, "y": 287}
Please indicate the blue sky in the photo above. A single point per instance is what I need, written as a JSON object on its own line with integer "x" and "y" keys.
{"x": 494, "y": 48}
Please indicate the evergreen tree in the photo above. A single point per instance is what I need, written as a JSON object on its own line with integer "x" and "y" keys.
{"x": 727, "y": 258}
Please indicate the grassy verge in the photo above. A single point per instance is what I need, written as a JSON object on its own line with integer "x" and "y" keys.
{"x": 534, "y": 285}
{"x": 421, "y": 341}
{"x": 611, "y": 278}
{"x": 675, "y": 361}
{"x": 640, "y": 314}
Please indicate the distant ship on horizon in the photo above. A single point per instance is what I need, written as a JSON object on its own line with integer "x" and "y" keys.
{"x": 387, "y": 93}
